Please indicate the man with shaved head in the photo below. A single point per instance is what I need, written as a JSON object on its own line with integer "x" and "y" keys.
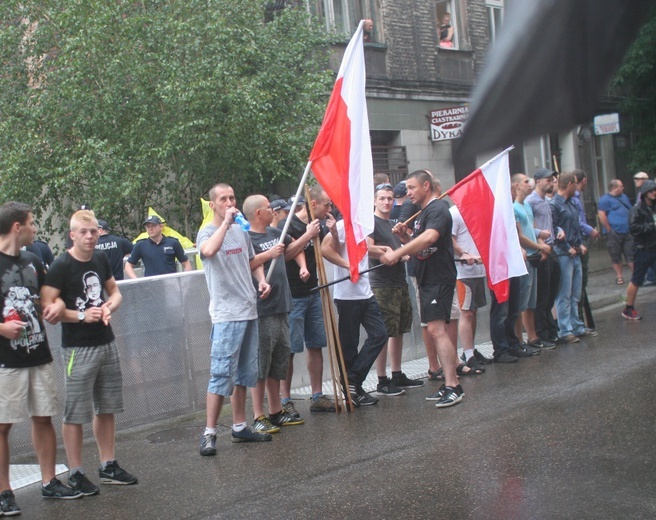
{"x": 273, "y": 315}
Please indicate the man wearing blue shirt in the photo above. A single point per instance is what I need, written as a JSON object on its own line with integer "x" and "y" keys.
{"x": 614, "y": 208}
{"x": 157, "y": 252}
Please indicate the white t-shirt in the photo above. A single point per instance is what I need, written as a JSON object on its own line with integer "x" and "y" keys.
{"x": 465, "y": 241}
{"x": 347, "y": 290}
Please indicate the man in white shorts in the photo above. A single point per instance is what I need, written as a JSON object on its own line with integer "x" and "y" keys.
{"x": 27, "y": 377}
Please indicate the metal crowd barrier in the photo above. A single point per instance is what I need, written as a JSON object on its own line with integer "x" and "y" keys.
{"x": 162, "y": 335}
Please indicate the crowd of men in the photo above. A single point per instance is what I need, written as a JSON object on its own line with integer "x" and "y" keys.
{"x": 265, "y": 307}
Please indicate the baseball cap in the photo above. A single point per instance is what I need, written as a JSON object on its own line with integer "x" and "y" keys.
{"x": 278, "y": 204}
{"x": 544, "y": 173}
{"x": 291, "y": 202}
{"x": 153, "y": 219}
{"x": 400, "y": 190}
{"x": 102, "y": 224}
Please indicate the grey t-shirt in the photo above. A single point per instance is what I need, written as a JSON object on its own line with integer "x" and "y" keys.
{"x": 228, "y": 276}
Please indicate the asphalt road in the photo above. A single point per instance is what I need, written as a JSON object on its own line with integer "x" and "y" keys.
{"x": 567, "y": 434}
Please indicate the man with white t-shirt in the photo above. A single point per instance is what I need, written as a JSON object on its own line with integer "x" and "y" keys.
{"x": 356, "y": 305}
{"x": 470, "y": 289}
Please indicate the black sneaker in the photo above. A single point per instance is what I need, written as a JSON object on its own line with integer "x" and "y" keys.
{"x": 524, "y": 351}
{"x": 354, "y": 396}
{"x": 8, "y": 505}
{"x": 386, "y": 387}
{"x": 481, "y": 358}
{"x": 291, "y": 409}
{"x": 403, "y": 381}
{"x": 506, "y": 356}
{"x": 451, "y": 396}
{"x": 208, "y": 445}
{"x": 55, "y": 489}
{"x": 543, "y": 344}
{"x": 264, "y": 425}
{"x": 282, "y": 418}
{"x": 437, "y": 395}
{"x": 79, "y": 482}
{"x": 360, "y": 397}
{"x": 365, "y": 398}
{"x": 250, "y": 435}
{"x": 115, "y": 474}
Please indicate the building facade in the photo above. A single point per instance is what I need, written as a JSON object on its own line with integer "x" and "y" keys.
{"x": 410, "y": 76}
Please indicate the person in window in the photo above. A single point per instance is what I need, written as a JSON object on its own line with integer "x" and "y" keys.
{"x": 368, "y": 30}
{"x": 446, "y": 32}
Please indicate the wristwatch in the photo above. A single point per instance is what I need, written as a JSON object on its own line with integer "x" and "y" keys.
{"x": 81, "y": 316}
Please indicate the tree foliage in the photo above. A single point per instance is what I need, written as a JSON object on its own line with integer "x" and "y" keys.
{"x": 637, "y": 80}
{"x": 124, "y": 104}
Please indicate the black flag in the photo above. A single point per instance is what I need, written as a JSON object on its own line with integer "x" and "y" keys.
{"x": 549, "y": 69}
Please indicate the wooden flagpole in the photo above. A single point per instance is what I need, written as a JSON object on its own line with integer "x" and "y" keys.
{"x": 337, "y": 366}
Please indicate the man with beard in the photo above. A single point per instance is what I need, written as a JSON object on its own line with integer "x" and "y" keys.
{"x": 548, "y": 274}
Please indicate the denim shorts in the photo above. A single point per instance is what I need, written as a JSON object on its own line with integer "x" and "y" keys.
{"x": 528, "y": 292}
{"x": 306, "y": 323}
{"x": 234, "y": 356}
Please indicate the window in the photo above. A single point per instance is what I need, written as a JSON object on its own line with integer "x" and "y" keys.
{"x": 343, "y": 16}
{"x": 447, "y": 24}
{"x": 494, "y": 17}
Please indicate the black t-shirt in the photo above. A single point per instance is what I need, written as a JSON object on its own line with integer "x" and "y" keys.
{"x": 43, "y": 251}
{"x": 115, "y": 248}
{"x": 387, "y": 276}
{"x": 408, "y": 209}
{"x": 20, "y": 280}
{"x": 435, "y": 265}
{"x": 81, "y": 285}
{"x": 280, "y": 298}
{"x": 298, "y": 287}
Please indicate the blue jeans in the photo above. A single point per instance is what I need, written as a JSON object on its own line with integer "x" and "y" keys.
{"x": 306, "y": 323}
{"x": 569, "y": 295}
{"x": 233, "y": 359}
{"x": 352, "y": 314}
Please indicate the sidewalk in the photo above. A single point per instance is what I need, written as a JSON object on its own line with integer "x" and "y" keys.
{"x": 602, "y": 289}
{"x": 536, "y": 439}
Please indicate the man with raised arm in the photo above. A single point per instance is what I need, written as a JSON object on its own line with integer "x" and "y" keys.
{"x": 226, "y": 252}
{"x": 432, "y": 246}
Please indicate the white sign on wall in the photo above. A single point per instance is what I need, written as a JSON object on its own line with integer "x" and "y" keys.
{"x": 607, "y": 124}
{"x": 447, "y": 123}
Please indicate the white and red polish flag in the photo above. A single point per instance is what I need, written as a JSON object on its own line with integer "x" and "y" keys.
{"x": 341, "y": 156}
{"x": 485, "y": 203}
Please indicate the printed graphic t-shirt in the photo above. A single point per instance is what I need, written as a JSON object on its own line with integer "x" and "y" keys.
{"x": 20, "y": 279}
{"x": 82, "y": 286}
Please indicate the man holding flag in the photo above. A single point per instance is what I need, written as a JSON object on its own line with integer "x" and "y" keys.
{"x": 432, "y": 245}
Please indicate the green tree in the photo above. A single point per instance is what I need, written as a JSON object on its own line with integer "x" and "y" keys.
{"x": 636, "y": 79}
{"x": 124, "y": 104}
